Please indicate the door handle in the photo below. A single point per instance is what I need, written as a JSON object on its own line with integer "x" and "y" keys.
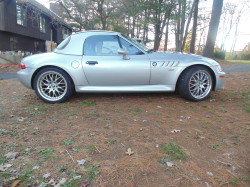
{"x": 91, "y": 62}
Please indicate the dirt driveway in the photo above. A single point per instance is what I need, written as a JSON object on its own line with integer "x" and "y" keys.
{"x": 173, "y": 142}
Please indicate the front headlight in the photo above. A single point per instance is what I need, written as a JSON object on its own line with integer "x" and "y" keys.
{"x": 218, "y": 67}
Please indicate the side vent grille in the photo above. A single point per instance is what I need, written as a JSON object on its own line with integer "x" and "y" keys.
{"x": 171, "y": 63}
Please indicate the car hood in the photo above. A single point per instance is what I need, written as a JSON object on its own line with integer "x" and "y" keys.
{"x": 183, "y": 58}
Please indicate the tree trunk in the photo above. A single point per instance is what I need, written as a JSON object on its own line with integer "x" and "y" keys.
{"x": 133, "y": 29}
{"x": 187, "y": 26}
{"x": 213, "y": 28}
{"x": 166, "y": 37}
{"x": 192, "y": 45}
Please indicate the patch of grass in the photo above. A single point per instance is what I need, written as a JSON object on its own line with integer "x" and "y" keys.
{"x": 46, "y": 150}
{"x": 158, "y": 113}
{"x": 61, "y": 168}
{"x": 247, "y": 109}
{"x": 91, "y": 148}
{"x": 110, "y": 141}
{"x": 71, "y": 112}
{"x": 135, "y": 111}
{"x": 215, "y": 147}
{"x": 67, "y": 142}
{"x": 162, "y": 160}
{"x": 174, "y": 151}
{"x": 149, "y": 100}
{"x": 223, "y": 140}
{"x": 234, "y": 181}
{"x": 92, "y": 172}
{"x": 93, "y": 113}
{"x": 239, "y": 61}
{"x": 36, "y": 132}
{"x": 91, "y": 135}
{"x": 90, "y": 103}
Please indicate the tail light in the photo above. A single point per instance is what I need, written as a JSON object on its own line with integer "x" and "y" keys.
{"x": 23, "y": 66}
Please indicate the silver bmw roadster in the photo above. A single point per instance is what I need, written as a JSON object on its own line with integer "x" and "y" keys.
{"x": 103, "y": 61}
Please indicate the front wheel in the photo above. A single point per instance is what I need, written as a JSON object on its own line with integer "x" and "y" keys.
{"x": 196, "y": 83}
{"x": 53, "y": 85}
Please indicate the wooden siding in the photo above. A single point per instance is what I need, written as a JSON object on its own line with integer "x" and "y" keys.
{"x": 31, "y": 30}
{"x": 2, "y": 16}
{"x": 28, "y": 34}
{"x": 24, "y": 43}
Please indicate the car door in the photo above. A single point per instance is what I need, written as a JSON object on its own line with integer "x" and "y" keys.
{"x": 103, "y": 66}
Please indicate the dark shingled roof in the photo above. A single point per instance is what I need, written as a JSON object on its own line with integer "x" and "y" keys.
{"x": 47, "y": 12}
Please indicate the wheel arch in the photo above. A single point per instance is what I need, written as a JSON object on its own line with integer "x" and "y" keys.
{"x": 48, "y": 66}
{"x": 189, "y": 67}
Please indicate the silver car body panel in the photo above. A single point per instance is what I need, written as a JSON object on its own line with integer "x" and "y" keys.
{"x": 156, "y": 71}
{"x": 115, "y": 71}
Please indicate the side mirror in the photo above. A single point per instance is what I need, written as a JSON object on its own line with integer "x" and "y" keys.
{"x": 124, "y": 53}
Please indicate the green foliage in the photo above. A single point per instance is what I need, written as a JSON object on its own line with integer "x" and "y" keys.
{"x": 90, "y": 103}
{"x": 92, "y": 172}
{"x": 110, "y": 141}
{"x": 149, "y": 100}
{"x": 220, "y": 54}
{"x": 232, "y": 182}
{"x": 162, "y": 160}
{"x": 46, "y": 150}
{"x": 174, "y": 151}
{"x": 247, "y": 109}
{"x": 91, "y": 148}
{"x": 215, "y": 147}
{"x": 67, "y": 142}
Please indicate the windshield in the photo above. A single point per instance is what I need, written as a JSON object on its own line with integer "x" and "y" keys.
{"x": 137, "y": 43}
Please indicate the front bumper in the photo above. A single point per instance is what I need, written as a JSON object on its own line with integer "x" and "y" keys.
{"x": 220, "y": 80}
{"x": 25, "y": 76}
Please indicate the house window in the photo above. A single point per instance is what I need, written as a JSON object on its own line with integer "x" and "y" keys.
{"x": 42, "y": 24}
{"x": 36, "y": 46}
{"x": 13, "y": 43}
{"x": 65, "y": 33}
{"x": 21, "y": 15}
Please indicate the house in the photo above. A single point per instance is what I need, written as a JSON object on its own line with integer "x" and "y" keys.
{"x": 26, "y": 25}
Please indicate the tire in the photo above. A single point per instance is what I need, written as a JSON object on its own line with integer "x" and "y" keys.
{"x": 53, "y": 85}
{"x": 196, "y": 83}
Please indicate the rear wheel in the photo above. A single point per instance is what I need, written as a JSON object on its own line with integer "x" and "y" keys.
{"x": 196, "y": 83}
{"x": 53, "y": 85}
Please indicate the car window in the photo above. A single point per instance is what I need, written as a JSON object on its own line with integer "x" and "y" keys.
{"x": 101, "y": 45}
{"x": 64, "y": 43}
{"x": 132, "y": 50}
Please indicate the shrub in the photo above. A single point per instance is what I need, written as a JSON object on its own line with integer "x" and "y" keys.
{"x": 220, "y": 54}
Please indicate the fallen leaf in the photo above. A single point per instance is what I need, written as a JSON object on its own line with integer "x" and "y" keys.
{"x": 85, "y": 183}
{"x": 210, "y": 174}
{"x": 11, "y": 155}
{"x": 175, "y": 130}
{"x": 47, "y": 175}
{"x": 4, "y": 167}
{"x": 52, "y": 182}
{"x": 35, "y": 167}
{"x": 170, "y": 164}
{"x": 21, "y": 119}
{"x": 129, "y": 152}
{"x": 15, "y": 183}
{"x": 13, "y": 178}
{"x": 77, "y": 177}
{"x": 81, "y": 162}
{"x": 62, "y": 181}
